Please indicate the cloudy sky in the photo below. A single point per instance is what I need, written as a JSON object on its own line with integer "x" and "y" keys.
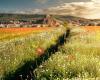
{"x": 32, "y": 4}
{"x": 81, "y": 8}
{"x": 89, "y": 9}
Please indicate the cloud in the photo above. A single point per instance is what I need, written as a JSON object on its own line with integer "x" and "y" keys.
{"x": 81, "y": 9}
{"x": 89, "y": 9}
{"x": 96, "y": 1}
{"x": 41, "y": 1}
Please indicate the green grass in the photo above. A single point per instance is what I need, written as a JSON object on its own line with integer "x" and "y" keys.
{"x": 78, "y": 59}
{"x": 15, "y": 52}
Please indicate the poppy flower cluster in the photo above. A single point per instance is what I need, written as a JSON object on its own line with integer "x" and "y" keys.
{"x": 40, "y": 51}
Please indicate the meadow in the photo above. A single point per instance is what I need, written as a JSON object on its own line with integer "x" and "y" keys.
{"x": 9, "y": 33}
{"x": 17, "y": 46}
{"x": 78, "y": 59}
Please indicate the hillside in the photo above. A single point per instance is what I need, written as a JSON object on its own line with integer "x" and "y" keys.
{"x": 78, "y": 20}
{"x": 39, "y": 19}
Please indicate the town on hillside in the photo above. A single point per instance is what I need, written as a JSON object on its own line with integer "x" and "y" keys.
{"x": 20, "y": 21}
{"x": 37, "y": 20}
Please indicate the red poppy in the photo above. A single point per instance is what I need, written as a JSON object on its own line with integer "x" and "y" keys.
{"x": 71, "y": 57}
{"x": 40, "y": 51}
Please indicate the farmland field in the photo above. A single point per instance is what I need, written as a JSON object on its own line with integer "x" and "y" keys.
{"x": 9, "y": 33}
{"x": 92, "y": 28}
{"x": 24, "y": 44}
{"x": 49, "y": 40}
{"x": 78, "y": 59}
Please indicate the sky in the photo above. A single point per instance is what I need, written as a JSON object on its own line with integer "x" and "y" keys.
{"x": 81, "y": 8}
{"x": 90, "y": 9}
{"x": 13, "y": 5}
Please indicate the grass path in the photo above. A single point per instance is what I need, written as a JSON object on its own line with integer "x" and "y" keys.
{"x": 27, "y": 72}
{"x": 20, "y": 56}
{"x": 78, "y": 59}
{"x": 18, "y": 53}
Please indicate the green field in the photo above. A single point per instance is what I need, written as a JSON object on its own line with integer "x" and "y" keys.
{"x": 15, "y": 52}
{"x": 78, "y": 59}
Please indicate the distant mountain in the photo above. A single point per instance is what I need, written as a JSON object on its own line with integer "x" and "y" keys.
{"x": 78, "y": 20}
{"x": 18, "y": 16}
{"x": 28, "y": 11}
{"x": 5, "y": 17}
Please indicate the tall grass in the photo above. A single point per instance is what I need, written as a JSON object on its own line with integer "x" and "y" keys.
{"x": 15, "y": 52}
{"x": 78, "y": 59}
{"x": 10, "y": 33}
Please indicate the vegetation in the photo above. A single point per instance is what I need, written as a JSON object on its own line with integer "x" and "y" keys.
{"x": 78, "y": 59}
{"x": 10, "y": 33}
{"x": 4, "y": 16}
{"x": 14, "y": 52}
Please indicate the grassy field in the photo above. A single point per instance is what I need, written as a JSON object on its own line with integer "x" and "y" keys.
{"x": 78, "y": 59}
{"x": 15, "y": 51}
{"x": 9, "y": 33}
